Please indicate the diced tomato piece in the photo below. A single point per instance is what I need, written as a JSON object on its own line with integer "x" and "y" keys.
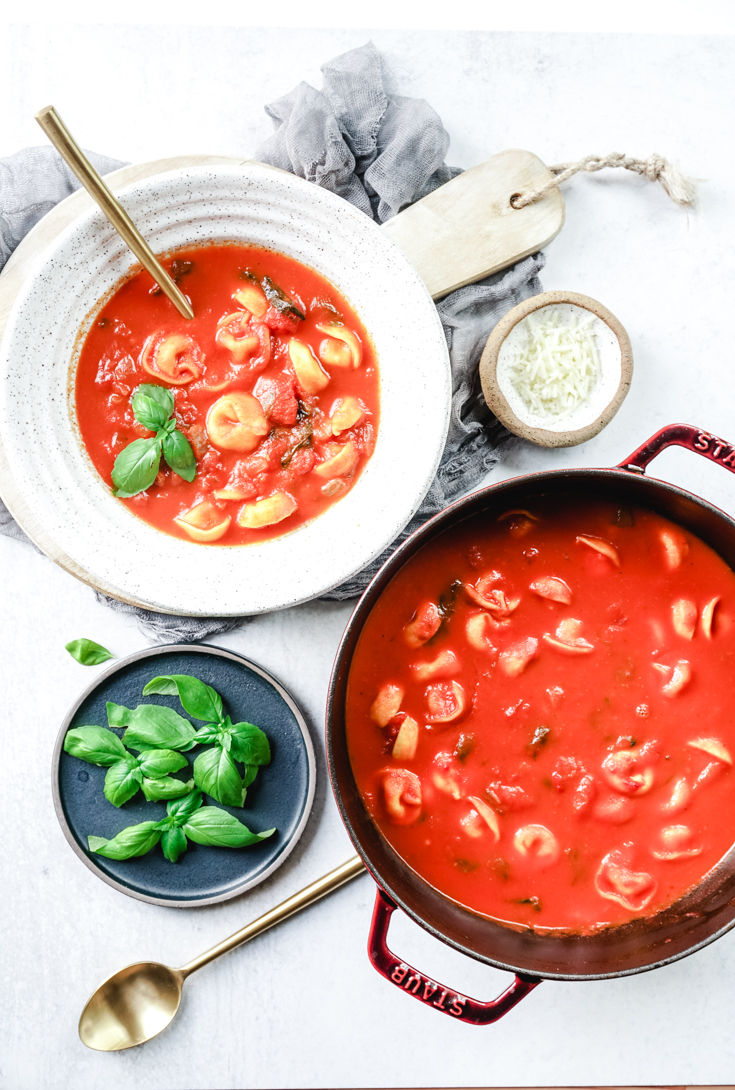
{"x": 199, "y": 439}
{"x": 566, "y": 771}
{"x": 302, "y": 462}
{"x": 278, "y": 398}
{"x": 279, "y": 322}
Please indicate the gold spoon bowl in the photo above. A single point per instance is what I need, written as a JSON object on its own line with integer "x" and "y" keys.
{"x": 131, "y": 1006}
{"x": 138, "y": 1002}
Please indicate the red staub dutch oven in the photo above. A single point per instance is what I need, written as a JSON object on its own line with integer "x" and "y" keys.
{"x": 702, "y": 915}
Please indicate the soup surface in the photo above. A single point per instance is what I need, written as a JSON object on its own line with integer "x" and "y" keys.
{"x": 275, "y": 391}
{"x": 539, "y": 713}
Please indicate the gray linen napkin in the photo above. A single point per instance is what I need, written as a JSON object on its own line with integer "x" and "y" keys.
{"x": 381, "y": 152}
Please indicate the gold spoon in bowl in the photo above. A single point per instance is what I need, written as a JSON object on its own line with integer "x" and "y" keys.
{"x": 137, "y": 1002}
{"x": 93, "y": 182}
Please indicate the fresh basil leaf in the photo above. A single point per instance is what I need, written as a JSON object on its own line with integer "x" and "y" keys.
{"x": 216, "y": 774}
{"x": 251, "y": 771}
{"x": 250, "y": 744}
{"x": 218, "y": 829}
{"x": 97, "y": 745}
{"x": 87, "y": 652}
{"x": 173, "y": 842}
{"x": 136, "y": 467}
{"x": 196, "y": 698}
{"x": 165, "y": 787}
{"x": 180, "y": 811}
{"x": 160, "y": 394}
{"x": 210, "y": 732}
{"x": 118, "y": 715}
{"x": 122, "y": 780}
{"x": 179, "y": 455}
{"x": 133, "y": 841}
{"x": 152, "y": 726}
{"x": 152, "y": 405}
{"x": 159, "y": 762}
{"x": 169, "y": 426}
{"x": 161, "y": 686}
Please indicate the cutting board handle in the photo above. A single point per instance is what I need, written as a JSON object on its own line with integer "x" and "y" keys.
{"x": 468, "y": 229}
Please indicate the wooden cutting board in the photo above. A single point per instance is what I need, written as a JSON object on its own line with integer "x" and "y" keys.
{"x": 460, "y": 233}
{"x": 468, "y": 228}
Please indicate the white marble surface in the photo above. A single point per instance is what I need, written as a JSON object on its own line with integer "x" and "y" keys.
{"x": 301, "y": 1007}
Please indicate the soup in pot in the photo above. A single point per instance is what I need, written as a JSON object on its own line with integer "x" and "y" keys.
{"x": 539, "y": 717}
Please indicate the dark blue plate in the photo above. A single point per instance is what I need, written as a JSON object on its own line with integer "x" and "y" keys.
{"x": 281, "y": 796}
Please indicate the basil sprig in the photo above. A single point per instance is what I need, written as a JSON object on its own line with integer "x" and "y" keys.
{"x": 126, "y": 773}
{"x": 135, "y": 840}
{"x": 185, "y": 819}
{"x": 215, "y": 770}
{"x": 94, "y": 744}
{"x": 161, "y": 736}
{"x": 196, "y": 698}
{"x": 151, "y": 726}
{"x": 136, "y": 466}
{"x": 87, "y": 652}
{"x": 216, "y": 773}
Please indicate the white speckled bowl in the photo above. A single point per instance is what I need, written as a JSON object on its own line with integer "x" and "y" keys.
{"x": 254, "y": 204}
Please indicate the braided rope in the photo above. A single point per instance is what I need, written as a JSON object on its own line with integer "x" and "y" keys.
{"x": 681, "y": 189}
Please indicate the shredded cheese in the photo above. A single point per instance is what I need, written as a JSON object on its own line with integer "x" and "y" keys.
{"x": 559, "y": 366}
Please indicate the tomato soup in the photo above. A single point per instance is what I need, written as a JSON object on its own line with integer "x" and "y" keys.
{"x": 266, "y": 405}
{"x": 539, "y": 714}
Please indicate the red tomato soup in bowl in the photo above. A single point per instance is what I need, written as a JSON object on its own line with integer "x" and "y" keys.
{"x": 242, "y": 424}
{"x": 538, "y": 714}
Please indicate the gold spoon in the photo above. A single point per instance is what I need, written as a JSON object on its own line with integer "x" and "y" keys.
{"x": 80, "y": 165}
{"x": 136, "y": 1003}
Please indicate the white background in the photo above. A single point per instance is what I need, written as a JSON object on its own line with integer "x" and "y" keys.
{"x": 301, "y": 1007}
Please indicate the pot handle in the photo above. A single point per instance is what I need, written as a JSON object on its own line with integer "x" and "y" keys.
{"x": 428, "y": 991}
{"x": 681, "y": 435}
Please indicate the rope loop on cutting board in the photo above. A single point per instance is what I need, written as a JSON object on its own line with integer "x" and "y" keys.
{"x": 681, "y": 189}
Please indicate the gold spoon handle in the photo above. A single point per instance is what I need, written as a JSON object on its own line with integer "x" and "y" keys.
{"x": 80, "y": 165}
{"x": 302, "y": 899}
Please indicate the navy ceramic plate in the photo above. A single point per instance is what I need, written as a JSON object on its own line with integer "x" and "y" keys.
{"x": 281, "y": 796}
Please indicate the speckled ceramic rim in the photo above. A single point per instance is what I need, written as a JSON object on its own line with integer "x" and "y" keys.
{"x": 496, "y": 399}
{"x": 248, "y": 203}
{"x": 188, "y": 648}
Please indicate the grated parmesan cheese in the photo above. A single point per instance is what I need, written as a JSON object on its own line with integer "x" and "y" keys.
{"x": 559, "y": 366}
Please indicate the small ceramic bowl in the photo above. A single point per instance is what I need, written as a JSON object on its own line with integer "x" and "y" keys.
{"x": 591, "y": 415}
{"x": 258, "y": 205}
